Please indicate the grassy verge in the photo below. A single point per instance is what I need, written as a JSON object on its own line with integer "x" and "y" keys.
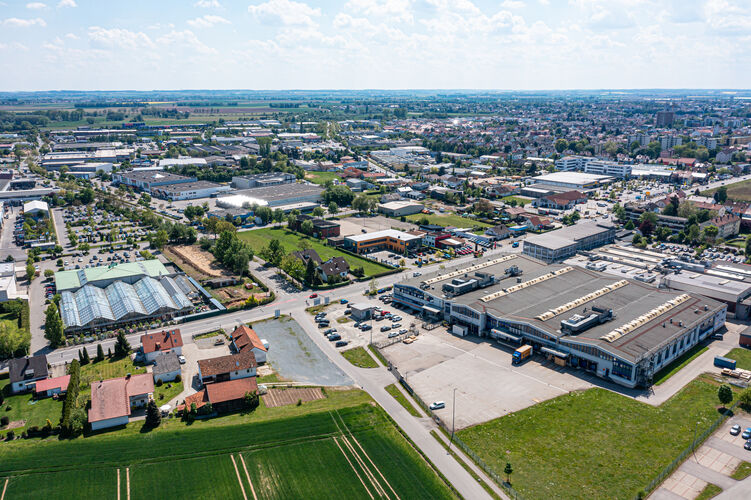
{"x": 675, "y": 366}
{"x": 709, "y": 491}
{"x": 397, "y": 394}
{"x": 464, "y": 465}
{"x": 447, "y": 220}
{"x": 606, "y": 445}
{"x": 360, "y": 357}
{"x": 742, "y": 471}
{"x": 208, "y": 335}
{"x": 741, "y": 356}
{"x": 259, "y": 238}
{"x": 378, "y": 355}
{"x": 343, "y": 319}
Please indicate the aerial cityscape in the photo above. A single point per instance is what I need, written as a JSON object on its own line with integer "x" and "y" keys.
{"x": 400, "y": 249}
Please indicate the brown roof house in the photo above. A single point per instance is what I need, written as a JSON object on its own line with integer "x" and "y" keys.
{"x": 245, "y": 338}
{"x": 113, "y": 399}
{"x": 223, "y": 396}
{"x": 335, "y": 266}
{"x": 230, "y": 367}
{"x": 154, "y": 344}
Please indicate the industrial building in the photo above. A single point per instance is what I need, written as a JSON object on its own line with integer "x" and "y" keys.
{"x": 389, "y": 239}
{"x": 148, "y": 180}
{"x": 272, "y": 196}
{"x": 107, "y": 296}
{"x": 189, "y": 190}
{"x": 621, "y": 330}
{"x": 400, "y": 208}
{"x": 573, "y": 180}
{"x": 563, "y": 243}
{"x": 262, "y": 180}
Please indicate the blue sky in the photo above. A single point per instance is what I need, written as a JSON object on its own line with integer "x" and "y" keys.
{"x": 392, "y": 44}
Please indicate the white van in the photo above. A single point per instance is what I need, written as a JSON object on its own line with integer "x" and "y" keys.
{"x": 437, "y": 405}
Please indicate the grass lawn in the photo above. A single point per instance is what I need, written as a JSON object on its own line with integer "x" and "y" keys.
{"x": 739, "y": 191}
{"x": 742, "y": 471}
{"x": 742, "y": 357}
{"x": 592, "y": 444}
{"x": 321, "y": 177}
{"x": 447, "y": 220}
{"x": 109, "y": 368}
{"x": 464, "y": 465}
{"x": 343, "y": 319}
{"x": 709, "y": 491}
{"x": 11, "y": 335}
{"x": 520, "y": 202}
{"x": 397, "y": 394}
{"x": 287, "y": 456}
{"x": 259, "y": 238}
{"x": 358, "y": 356}
{"x": 378, "y": 355}
{"x": 25, "y": 407}
{"x": 675, "y": 366}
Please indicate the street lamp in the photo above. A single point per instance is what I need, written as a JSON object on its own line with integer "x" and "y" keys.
{"x": 453, "y": 419}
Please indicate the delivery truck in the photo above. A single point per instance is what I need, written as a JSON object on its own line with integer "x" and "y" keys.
{"x": 521, "y": 354}
{"x": 722, "y": 362}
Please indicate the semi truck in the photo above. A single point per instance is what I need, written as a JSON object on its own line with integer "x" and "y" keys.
{"x": 722, "y": 362}
{"x": 521, "y": 354}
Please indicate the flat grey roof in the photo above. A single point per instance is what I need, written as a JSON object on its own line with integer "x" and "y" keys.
{"x": 187, "y": 186}
{"x": 281, "y": 191}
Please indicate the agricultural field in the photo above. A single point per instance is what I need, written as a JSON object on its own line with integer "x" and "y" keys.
{"x": 352, "y": 450}
{"x": 259, "y": 238}
{"x": 593, "y": 444}
{"x": 739, "y": 191}
{"x": 447, "y": 220}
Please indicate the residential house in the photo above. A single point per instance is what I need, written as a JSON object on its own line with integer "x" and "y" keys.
{"x": 223, "y": 396}
{"x": 230, "y": 367}
{"x": 112, "y": 400}
{"x": 335, "y": 266}
{"x": 245, "y": 338}
{"x": 724, "y": 156}
{"x": 25, "y": 372}
{"x": 166, "y": 367}
{"x": 498, "y": 232}
{"x": 308, "y": 255}
{"x": 501, "y": 190}
{"x": 728, "y": 225}
{"x": 51, "y": 386}
{"x": 154, "y": 344}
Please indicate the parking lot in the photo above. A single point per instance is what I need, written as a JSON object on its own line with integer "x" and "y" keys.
{"x": 713, "y": 462}
{"x": 93, "y": 226}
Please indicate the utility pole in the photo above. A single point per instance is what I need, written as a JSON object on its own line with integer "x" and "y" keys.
{"x": 453, "y": 419}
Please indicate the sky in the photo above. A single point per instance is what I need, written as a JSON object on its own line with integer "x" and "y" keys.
{"x": 374, "y": 44}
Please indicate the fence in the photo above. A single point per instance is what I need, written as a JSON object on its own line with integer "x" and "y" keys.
{"x": 690, "y": 449}
{"x": 510, "y": 491}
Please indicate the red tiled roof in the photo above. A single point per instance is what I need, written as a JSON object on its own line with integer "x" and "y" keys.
{"x": 162, "y": 341}
{"x": 110, "y": 398}
{"x": 226, "y": 364}
{"x": 53, "y": 383}
{"x": 198, "y": 398}
{"x": 244, "y": 335}
{"x": 230, "y": 390}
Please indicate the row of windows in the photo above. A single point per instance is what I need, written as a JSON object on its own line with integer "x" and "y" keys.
{"x": 466, "y": 311}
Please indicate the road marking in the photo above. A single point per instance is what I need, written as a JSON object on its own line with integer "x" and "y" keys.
{"x": 353, "y": 468}
{"x": 5, "y": 487}
{"x": 239, "y": 480}
{"x": 127, "y": 481}
{"x": 252, "y": 490}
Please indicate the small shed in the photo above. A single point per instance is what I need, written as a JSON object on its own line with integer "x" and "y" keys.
{"x": 362, "y": 311}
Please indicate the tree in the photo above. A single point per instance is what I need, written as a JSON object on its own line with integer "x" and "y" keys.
{"x": 99, "y": 353}
{"x": 725, "y": 394}
{"x": 251, "y": 400}
{"x": 561, "y": 145}
{"x": 648, "y": 222}
{"x": 508, "y": 470}
{"x": 333, "y": 208}
{"x": 748, "y": 246}
{"x": 307, "y": 227}
{"x": 153, "y": 415}
{"x": 721, "y": 195}
{"x": 362, "y": 203}
{"x": 341, "y": 195}
{"x": 264, "y": 213}
{"x": 310, "y": 272}
{"x": 745, "y": 398}
{"x": 159, "y": 239}
{"x": 318, "y": 212}
{"x": 53, "y": 326}
{"x": 294, "y": 267}
{"x": 373, "y": 287}
{"x": 273, "y": 253}
{"x": 278, "y": 215}
{"x": 48, "y": 273}
{"x": 86, "y": 358}
{"x": 30, "y": 271}
{"x": 122, "y": 347}
{"x": 710, "y": 233}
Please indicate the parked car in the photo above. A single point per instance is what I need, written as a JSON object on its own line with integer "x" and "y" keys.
{"x": 746, "y": 433}
{"x": 342, "y": 343}
{"x": 365, "y": 328}
{"x": 735, "y": 430}
{"x": 437, "y": 405}
{"x": 393, "y": 334}
{"x": 396, "y": 325}
{"x": 323, "y": 324}
{"x": 312, "y": 295}
{"x": 334, "y": 336}
{"x": 181, "y": 359}
{"x": 385, "y": 328}
{"x": 343, "y": 301}
{"x": 747, "y": 445}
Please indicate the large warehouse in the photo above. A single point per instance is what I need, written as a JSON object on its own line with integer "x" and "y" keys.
{"x": 618, "y": 329}
{"x": 272, "y": 196}
{"x": 110, "y": 296}
{"x": 565, "y": 242}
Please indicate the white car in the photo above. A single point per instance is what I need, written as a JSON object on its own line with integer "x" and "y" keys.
{"x": 181, "y": 359}
{"x": 437, "y": 405}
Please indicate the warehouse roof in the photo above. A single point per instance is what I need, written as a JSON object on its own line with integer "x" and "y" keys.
{"x": 387, "y": 233}
{"x": 66, "y": 280}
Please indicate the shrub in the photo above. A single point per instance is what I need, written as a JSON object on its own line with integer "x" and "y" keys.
{"x": 178, "y": 378}
{"x": 159, "y": 382}
{"x": 4, "y": 421}
{"x": 299, "y": 402}
{"x": 8, "y": 408}
{"x": 11, "y": 435}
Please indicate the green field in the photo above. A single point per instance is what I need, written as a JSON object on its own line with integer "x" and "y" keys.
{"x": 397, "y": 394}
{"x": 447, "y": 220}
{"x": 593, "y": 444}
{"x": 321, "y": 177}
{"x": 308, "y": 455}
{"x": 742, "y": 356}
{"x": 358, "y": 356}
{"x": 739, "y": 191}
{"x": 676, "y": 365}
{"x": 259, "y": 238}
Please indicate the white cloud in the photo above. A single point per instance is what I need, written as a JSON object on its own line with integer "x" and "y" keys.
{"x": 512, "y": 4}
{"x": 36, "y": 6}
{"x": 394, "y": 10}
{"x": 207, "y": 21}
{"x": 71, "y": 36}
{"x": 185, "y": 39}
{"x": 728, "y": 15}
{"x": 67, "y": 3}
{"x": 119, "y": 38}
{"x": 207, "y": 4}
{"x": 24, "y": 23}
{"x": 286, "y": 12}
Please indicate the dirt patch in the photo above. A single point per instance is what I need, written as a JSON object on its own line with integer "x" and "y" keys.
{"x": 290, "y": 395}
{"x": 16, "y": 424}
{"x": 193, "y": 258}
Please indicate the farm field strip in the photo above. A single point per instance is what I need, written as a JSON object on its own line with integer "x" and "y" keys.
{"x": 353, "y": 467}
{"x": 239, "y": 479}
{"x": 245, "y": 468}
